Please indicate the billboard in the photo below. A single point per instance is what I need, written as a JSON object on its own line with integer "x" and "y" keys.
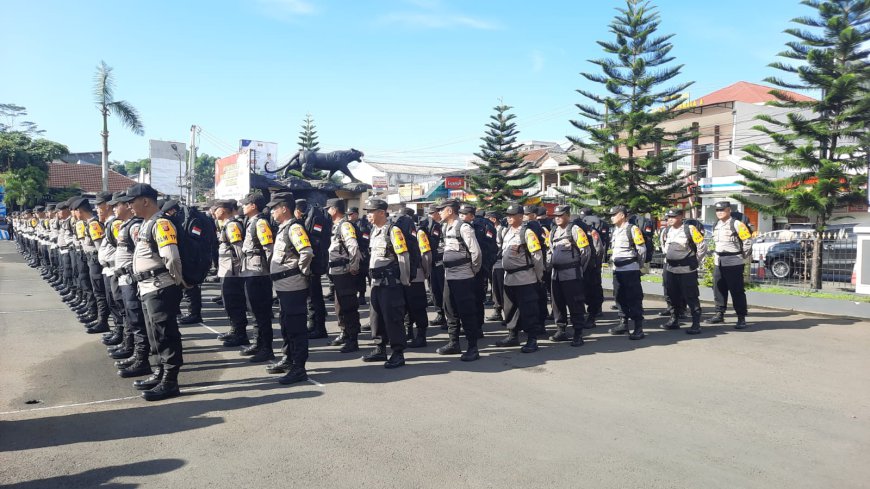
{"x": 168, "y": 165}
{"x": 454, "y": 183}
{"x": 380, "y": 183}
{"x": 232, "y": 176}
{"x": 262, "y": 154}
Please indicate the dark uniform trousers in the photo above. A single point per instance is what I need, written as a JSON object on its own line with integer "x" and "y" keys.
{"x": 388, "y": 306}
{"x": 729, "y": 280}
{"x": 481, "y": 280}
{"x": 85, "y": 285}
{"x": 522, "y": 306}
{"x": 66, "y": 269}
{"x": 568, "y": 298}
{"x": 259, "y": 292}
{"x": 682, "y": 291}
{"x": 316, "y": 304}
{"x": 98, "y": 285}
{"x": 160, "y": 309}
{"x": 498, "y": 287}
{"x": 135, "y": 332}
{"x": 235, "y": 304}
{"x": 436, "y": 286}
{"x": 114, "y": 299}
{"x": 461, "y": 309}
{"x": 628, "y": 293}
{"x": 362, "y": 277}
{"x": 194, "y": 295}
{"x": 347, "y": 303}
{"x": 416, "y": 304}
{"x": 294, "y": 331}
{"x": 594, "y": 289}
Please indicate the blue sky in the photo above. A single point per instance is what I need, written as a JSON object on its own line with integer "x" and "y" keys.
{"x": 401, "y": 80}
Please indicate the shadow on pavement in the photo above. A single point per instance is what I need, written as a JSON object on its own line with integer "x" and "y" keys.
{"x": 101, "y": 477}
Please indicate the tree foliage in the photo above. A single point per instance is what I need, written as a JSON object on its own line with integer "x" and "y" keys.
{"x": 204, "y": 172}
{"x": 501, "y": 174}
{"x": 10, "y": 113}
{"x": 622, "y": 121}
{"x": 25, "y": 187}
{"x": 823, "y": 143}
{"x": 308, "y": 135}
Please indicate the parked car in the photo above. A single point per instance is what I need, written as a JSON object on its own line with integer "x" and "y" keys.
{"x": 793, "y": 259}
{"x": 764, "y": 241}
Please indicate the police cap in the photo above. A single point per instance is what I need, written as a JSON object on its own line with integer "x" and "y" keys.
{"x": 81, "y": 203}
{"x": 722, "y": 205}
{"x": 491, "y": 214}
{"x": 375, "y": 205}
{"x": 617, "y": 209}
{"x": 542, "y": 211}
{"x": 513, "y": 210}
{"x": 170, "y": 204}
{"x": 339, "y": 204}
{"x": 467, "y": 209}
{"x": 353, "y": 210}
{"x": 39, "y": 208}
{"x": 256, "y": 198}
{"x": 102, "y": 197}
{"x": 674, "y": 212}
{"x": 452, "y": 203}
{"x": 530, "y": 209}
{"x": 562, "y": 210}
{"x": 280, "y": 198}
{"x": 115, "y": 198}
{"x": 139, "y": 190}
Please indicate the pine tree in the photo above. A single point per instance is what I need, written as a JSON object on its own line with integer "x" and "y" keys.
{"x": 632, "y": 151}
{"x": 308, "y": 136}
{"x": 824, "y": 143}
{"x": 501, "y": 174}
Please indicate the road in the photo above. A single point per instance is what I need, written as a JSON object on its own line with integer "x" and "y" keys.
{"x": 785, "y": 403}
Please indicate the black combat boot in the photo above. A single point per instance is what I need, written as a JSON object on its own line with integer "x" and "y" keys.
{"x": 638, "y": 333}
{"x": 439, "y": 320}
{"x": 512, "y": 339}
{"x": 238, "y": 338}
{"x": 379, "y": 354}
{"x": 590, "y": 322}
{"x": 621, "y": 329}
{"x": 577, "y": 339}
{"x": 249, "y": 350}
{"x": 397, "y": 359}
{"x": 531, "y": 345}
{"x": 296, "y": 374}
{"x": 419, "y": 340}
{"x": 696, "y": 325}
{"x": 561, "y": 333}
{"x": 317, "y": 332}
{"x": 741, "y": 323}
{"x": 351, "y": 344}
{"x": 166, "y": 389}
{"x": 717, "y": 318}
{"x": 150, "y": 382}
{"x": 262, "y": 355}
{"x": 673, "y": 323}
{"x": 121, "y": 354}
{"x": 338, "y": 340}
{"x": 138, "y": 368}
{"x": 451, "y": 348}
{"x": 281, "y": 366}
{"x": 190, "y": 319}
{"x": 471, "y": 354}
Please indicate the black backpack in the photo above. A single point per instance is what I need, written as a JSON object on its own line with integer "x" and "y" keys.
{"x": 195, "y": 233}
{"x": 406, "y": 225}
{"x": 647, "y": 229}
{"x": 484, "y": 231}
{"x": 319, "y": 229}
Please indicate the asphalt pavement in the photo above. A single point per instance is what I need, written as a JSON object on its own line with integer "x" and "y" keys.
{"x": 785, "y": 403}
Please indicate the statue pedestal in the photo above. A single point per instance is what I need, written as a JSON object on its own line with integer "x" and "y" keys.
{"x": 317, "y": 192}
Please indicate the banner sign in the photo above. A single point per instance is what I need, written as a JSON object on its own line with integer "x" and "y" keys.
{"x": 168, "y": 166}
{"x": 262, "y": 154}
{"x": 232, "y": 176}
{"x": 454, "y": 183}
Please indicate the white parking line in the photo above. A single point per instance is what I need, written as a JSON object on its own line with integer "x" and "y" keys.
{"x": 209, "y": 328}
{"x": 33, "y": 310}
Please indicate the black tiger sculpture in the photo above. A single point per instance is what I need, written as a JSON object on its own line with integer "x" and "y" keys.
{"x": 309, "y": 161}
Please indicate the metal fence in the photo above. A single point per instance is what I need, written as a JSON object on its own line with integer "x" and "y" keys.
{"x": 785, "y": 258}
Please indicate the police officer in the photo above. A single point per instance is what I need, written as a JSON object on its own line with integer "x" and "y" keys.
{"x": 482, "y": 229}
{"x": 497, "y": 279}
{"x": 320, "y": 243}
{"x": 157, "y": 271}
{"x": 462, "y": 261}
{"x": 64, "y": 245}
{"x": 629, "y": 252}
{"x": 390, "y": 271}
{"x": 415, "y": 293}
{"x": 523, "y": 263}
{"x": 592, "y": 278}
{"x": 684, "y": 248}
{"x": 93, "y": 233}
{"x": 106, "y": 258}
{"x": 569, "y": 255}
{"x": 192, "y": 295}
{"x": 733, "y": 242}
{"x": 231, "y": 238}
{"x": 365, "y": 229}
{"x": 290, "y": 271}
{"x": 256, "y": 254}
{"x": 531, "y": 219}
{"x": 344, "y": 269}
{"x": 432, "y": 226}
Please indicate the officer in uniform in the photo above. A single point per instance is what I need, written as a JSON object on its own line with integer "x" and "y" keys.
{"x": 257, "y": 249}
{"x": 231, "y": 238}
{"x": 733, "y": 243}
{"x": 629, "y": 253}
{"x": 106, "y": 258}
{"x": 497, "y": 279}
{"x": 468, "y": 213}
{"x": 157, "y": 271}
{"x": 569, "y": 255}
{"x": 92, "y": 236}
{"x": 531, "y": 219}
{"x": 523, "y": 263}
{"x": 290, "y": 271}
{"x": 592, "y": 278}
{"x": 192, "y": 295}
{"x": 344, "y": 269}
{"x": 462, "y": 262}
{"x": 316, "y": 302}
{"x": 64, "y": 245}
{"x": 684, "y": 249}
{"x": 365, "y": 230}
{"x": 432, "y": 226}
{"x": 390, "y": 271}
{"x": 415, "y": 293}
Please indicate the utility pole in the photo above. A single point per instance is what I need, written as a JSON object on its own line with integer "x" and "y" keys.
{"x": 191, "y": 166}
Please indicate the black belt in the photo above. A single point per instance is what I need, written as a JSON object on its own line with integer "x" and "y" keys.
{"x": 689, "y": 261}
{"x": 339, "y": 263}
{"x": 566, "y": 266}
{"x": 728, "y": 253}
{"x": 391, "y": 270}
{"x": 121, "y": 271}
{"x": 520, "y": 269}
{"x": 285, "y": 274}
{"x": 621, "y": 262}
{"x": 253, "y": 253}
{"x": 149, "y": 274}
{"x": 457, "y": 263}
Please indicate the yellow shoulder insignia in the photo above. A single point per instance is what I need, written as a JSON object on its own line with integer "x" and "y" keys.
{"x": 116, "y": 227}
{"x": 299, "y": 237}
{"x": 637, "y": 235}
{"x": 348, "y": 230}
{"x": 234, "y": 232}
{"x": 164, "y": 233}
{"x": 532, "y": 242}
{"x": 697, "y": 237}
{"x": 742, "y": 231}
{"x": 423, "y": 241}
{"x": 399, "y": 244}
{"x": 582, "y": 239}
{"x": 96, "y": 231}
{"x": 264, "y": 232}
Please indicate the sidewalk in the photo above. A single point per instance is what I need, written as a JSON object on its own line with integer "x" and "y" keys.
{"x": 808, "y": 305}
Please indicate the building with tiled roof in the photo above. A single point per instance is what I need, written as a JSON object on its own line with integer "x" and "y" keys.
{"x": 750, "y": 93}
{"x": 86, "y": 177}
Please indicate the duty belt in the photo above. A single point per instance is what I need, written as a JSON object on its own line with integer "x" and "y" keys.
{"x": 388, "y": 271}
{"x": 566, "y": 266}
{"x": 149, "y": 274}
{"x": 688, "y": 261}
{"x": 285, "y": 274}
{"x": 621, "y": 262}
{"x": 520, "y": 269}
{"x": 457, "y": 263}
{"x": 728, "y": 253}
{"x": 339, "y": 263}
{"x": 121, "y": 271}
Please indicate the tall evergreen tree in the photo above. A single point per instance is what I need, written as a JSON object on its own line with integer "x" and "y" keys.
{"x": 501, "y": 174}
{"x": 824, "y": 143}
{"x": 308, "y": 136}
{"x": 632, "y": 151}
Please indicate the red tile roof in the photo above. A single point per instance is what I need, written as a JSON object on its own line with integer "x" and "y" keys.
{"x": 534, "y": 155}
{"x": 750, "y": 93}
{"x": 87, "y": 177}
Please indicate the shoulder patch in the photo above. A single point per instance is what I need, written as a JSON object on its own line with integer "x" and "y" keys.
{"x": 348, "y": 230}
{"x": 532, "y": 242}
{"x": 637, "y": 235}
{"x": 116, "y": 227}
{"x": 234, "y": 232}
{"x": 582, "y": 240}
{"x": 423, "y": 241}
{"x": 164, "y": 233}
{"x": 96, "y": 231}
{"x": 299, "y": 237}
{"x": 742, "y": 231}
{"x": 264, "y": 233}
{"x": 399, "y": 244}
{"x": 697, "y": 237}
{"x": 80, "y": 229}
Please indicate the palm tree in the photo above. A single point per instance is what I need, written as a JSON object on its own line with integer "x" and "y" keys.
{"x": 104, "y": 96}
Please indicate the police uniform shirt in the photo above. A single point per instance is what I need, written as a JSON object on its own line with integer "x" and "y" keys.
{"x": 383, "y": 254}
{"x": 64, "y": 236}
{"x": 514, "y": 256}
{"x": 454, "y": 250}
{"x": 255, "y": 259}
{"x": 727, "y": 241}
{"x": 107, "y": 249}
{"x": 425, "y": 268}
{"x": 128, "y": 234}
{"x": 568, "y": 250}
{"x": 675, "y": 246}
{"x": 627, "y": 242}
{"x": 230, "y": 238}
{"x": 164, "y": 236}
{"x": 292, "y": 251}
{"x": 79, "y": 230}
{"x": 344, "y": 246}
{"x": 93, "y": 236}
{"x": 53, "y": 231}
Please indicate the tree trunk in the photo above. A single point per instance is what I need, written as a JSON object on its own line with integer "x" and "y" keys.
{"x": 105, "y": 135}
{"x": 816, "y": 266}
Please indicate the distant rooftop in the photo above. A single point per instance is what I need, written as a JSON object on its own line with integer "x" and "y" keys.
{"x": 412, "y": 169}
{"x": 750, "y": 93}
{"x": 90, "y": 158}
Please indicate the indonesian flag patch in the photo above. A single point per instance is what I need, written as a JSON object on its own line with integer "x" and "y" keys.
{"x": 195, "y": 230}
{"x": 317, "y": 228}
